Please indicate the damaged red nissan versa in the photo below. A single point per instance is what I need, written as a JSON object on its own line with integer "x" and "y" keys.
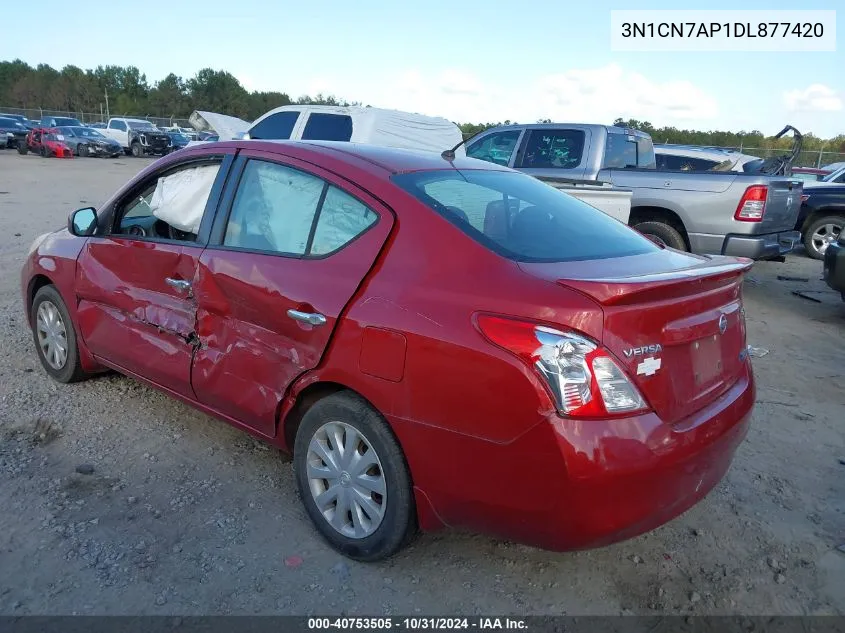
{"x": 439, "y": 342}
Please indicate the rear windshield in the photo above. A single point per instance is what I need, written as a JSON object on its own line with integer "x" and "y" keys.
{"x": 521, "y": 218}
{"x": 65, "y": 121}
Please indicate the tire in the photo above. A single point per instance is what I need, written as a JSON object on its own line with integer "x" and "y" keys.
{"x": 43, "y": 151}
{"x": 346, "y": 411}
{"x": 816, "y": 235}
{"x": 82, "y": 150}
{"x": 23, "y": 149}
{"x": 48, "y": 303}
{"x": 137, "y": 150}
{"x": 664, "y": 233}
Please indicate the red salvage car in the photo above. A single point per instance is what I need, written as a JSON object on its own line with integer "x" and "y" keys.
{"x": 439, "y": 343}
{"x": 47, "y": 142}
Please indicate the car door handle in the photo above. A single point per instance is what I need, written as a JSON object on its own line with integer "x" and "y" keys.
{"x": 178, "y": 284}
{"x": 311, "y": 318}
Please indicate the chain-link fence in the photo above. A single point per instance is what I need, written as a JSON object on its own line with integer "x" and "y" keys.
{"x": 93, "y": 117}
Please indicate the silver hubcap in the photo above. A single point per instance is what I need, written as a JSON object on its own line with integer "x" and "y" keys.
{"x": 825, "y": 236}
{"x": 52, "y": 336}
{"x": 346, "y": 480}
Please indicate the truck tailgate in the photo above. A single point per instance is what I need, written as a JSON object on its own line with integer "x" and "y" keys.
{"x": 782, "y": 205}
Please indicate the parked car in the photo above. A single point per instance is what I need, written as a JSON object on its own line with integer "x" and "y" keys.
{"x": 289, "y": 289}
{"x": 834, "y": 265}
{"x": 835, "y": 177}
{"x": 692, "y": 158}
{"x": 809, "y": 174}
{"x": 822, "y": 218}
{"x": 47, "y": 142}
{"x": 59, "y": 121}
{"x": 85, "y": 141}
{"x": 834, "y": 166}
{"x": 137, "y": 136}
{"x": 177, "y": 140}
{"x": 375, "y": 126}
{"x": 16, "y": 117}
{"x": 727, "y": 213}
{"x": 12, "y": 133}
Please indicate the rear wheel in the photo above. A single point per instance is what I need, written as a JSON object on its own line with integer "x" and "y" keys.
{"x": 353, "y": 479}
{"x": 822, "y": 233}
{"x": 54, "y": 336}
{"x": 662, "y": 233}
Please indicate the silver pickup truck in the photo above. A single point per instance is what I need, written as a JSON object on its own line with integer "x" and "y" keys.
{"x": 721, "y": 213}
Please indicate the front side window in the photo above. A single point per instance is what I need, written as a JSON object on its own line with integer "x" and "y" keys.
{"x": 170, "y": 206}
{"x": 328, "y": 127}
{"x": 554, "y": 149}
{"x": 521, "y": 218}
{"x": 275, "y": 126}
{"x": 274, "y": 209}
{"x": 497, "y": 147}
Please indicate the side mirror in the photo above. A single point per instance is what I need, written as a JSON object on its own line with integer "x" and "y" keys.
{"x": 82, "y": 222}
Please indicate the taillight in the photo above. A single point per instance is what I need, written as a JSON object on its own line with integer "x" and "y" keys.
{"x": 752, "y": 206}
{"x": 582, "y": 377}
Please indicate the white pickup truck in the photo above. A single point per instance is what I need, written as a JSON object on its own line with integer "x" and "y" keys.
{"x": 137, "y": 136}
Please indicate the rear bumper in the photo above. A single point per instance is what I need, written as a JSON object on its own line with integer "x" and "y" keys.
{"x": 751, "y": 246}
{"x": 834, "y": 267}
{"x": 574, "y": 484}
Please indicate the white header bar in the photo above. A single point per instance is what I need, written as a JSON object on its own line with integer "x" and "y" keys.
{"x": 723, "y": 30}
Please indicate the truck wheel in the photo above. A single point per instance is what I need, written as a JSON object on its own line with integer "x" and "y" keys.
{"x": 662, "y": 233}
{"x": 82, "y": 150}
{"x": 137, "y": 150}
{"x": 823, "y": 232}
{"x": 23, "y": 149}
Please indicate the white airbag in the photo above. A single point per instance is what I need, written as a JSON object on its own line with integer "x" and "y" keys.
{"x": 179, "y": 199}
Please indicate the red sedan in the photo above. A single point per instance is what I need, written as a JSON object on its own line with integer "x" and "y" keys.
{"x": 438, "y": 343}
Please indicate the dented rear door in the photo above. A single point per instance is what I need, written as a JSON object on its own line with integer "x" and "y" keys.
{"x": 254, "y": 300}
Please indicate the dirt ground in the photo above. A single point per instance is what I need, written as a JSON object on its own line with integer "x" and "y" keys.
{"x": 185, "y": 515}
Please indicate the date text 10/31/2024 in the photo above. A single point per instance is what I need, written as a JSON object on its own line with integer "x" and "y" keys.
{"x": 417, "y": 623}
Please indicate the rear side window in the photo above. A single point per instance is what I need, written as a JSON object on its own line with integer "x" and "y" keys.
{"x": 623, "y": 151}
{"x": 328, "y": 127}
{"x": 275, "y": 126}
{"x": 273, "y": 209}
{"x": 342, "y": 218}
{"x": 521, "y": 218}
{"x": 553, "y": 149}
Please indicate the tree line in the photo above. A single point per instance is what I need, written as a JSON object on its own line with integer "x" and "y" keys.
{"x": 73, "y": 89}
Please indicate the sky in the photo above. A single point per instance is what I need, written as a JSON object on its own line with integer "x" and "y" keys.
{"x": 469, "y": 61}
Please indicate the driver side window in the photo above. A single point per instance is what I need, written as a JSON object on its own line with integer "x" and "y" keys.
{"x": 168, "y": 206}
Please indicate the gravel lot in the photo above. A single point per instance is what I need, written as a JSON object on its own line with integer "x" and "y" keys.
{"x": 184, "y": 515}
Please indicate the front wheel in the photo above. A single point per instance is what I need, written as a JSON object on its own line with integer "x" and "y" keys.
{"x": 44, "y": 152}
{"x": 54, "y": 336}
{"x": 822, "y": 233}
{"x": 137, "y": 150}
{"x": 353, "y": 479}
{"x": 23, "y": 149}
{"x": 82, "y": 150}
{"x": 663, "y": 234}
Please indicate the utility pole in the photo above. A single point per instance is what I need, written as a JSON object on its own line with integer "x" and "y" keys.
{"x": 108, "y": 116}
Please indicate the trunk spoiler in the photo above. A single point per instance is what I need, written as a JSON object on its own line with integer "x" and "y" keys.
{"x": 660, "y": 286}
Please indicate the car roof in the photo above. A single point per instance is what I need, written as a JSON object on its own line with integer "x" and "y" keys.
{"x": 388, "y": 159}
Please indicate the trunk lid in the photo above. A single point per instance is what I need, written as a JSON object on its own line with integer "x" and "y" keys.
{"x": 674, "y": 322}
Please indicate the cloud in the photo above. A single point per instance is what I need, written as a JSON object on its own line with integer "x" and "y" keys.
{"x": 814, "y": 98}
{"x": 581, "y": 95}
